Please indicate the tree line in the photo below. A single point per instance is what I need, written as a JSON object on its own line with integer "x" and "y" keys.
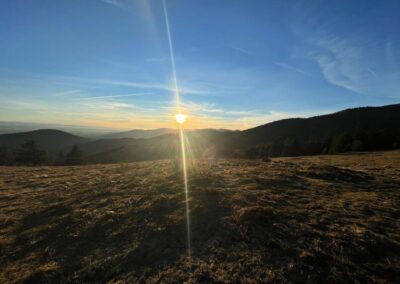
{"x": 30, "y": 154}
{"x": 340, "y": 143}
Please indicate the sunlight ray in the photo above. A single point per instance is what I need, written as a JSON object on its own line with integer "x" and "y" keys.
{"x": 180, "y": 119}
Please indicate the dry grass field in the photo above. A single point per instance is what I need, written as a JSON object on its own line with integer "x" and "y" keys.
{"x": 307, "y": 219}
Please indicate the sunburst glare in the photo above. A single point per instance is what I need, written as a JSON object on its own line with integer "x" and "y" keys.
{"x": 180, "y": 118}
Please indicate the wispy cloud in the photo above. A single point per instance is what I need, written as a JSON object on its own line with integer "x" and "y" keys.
{"x": 211, "y": 109}
{"x": 242, "y": 50}
{"x": 345, "y": 63}
{"x": 243, "y": 121}
{"x": 115, "y": 96}
{"x": 66, "y": 93}
{"x": 204, "y": 114}
{"x": 341, "y": 62}
{"x": 110, "y": 106}
{"x": 372, "y": 72}
{"x": 207, "y": 109}
{"x": 290, "y": 68}
{"x": 137, "y": 85}
{"x": 345, "y": 57}
{"x": 115, "y": 3}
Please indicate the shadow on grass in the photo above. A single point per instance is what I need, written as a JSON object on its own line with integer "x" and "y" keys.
{"x": 134, "y": 241}
{"x": 336, "y": 174}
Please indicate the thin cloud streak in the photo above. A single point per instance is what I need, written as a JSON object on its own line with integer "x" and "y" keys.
{"x": 138, "y": 85}
{"x": 66, "y": 93}
{"x": 115, "y": 96}
{"x": 114, "y": 3}
{"x": 241, "y": 50}
{"x": 372, "y": 72}
{"x": 340, "y": 61}
{"x": 289, "y": 67}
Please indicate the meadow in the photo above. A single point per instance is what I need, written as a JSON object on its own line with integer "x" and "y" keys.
{"x": 331, "y": 219}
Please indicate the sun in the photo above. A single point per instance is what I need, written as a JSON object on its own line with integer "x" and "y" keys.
{"x": 180, "y": 118}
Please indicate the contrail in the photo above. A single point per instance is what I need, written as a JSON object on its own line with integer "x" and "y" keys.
{"x": 181, "y": 131}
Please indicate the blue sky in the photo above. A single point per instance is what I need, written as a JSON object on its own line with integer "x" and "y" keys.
{"x": 239, "y": 63}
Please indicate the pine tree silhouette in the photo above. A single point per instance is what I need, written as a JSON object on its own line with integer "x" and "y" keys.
{"x": 75, "y": 157}
{"x": 30, "y": 154}
{"x": 6, "y": 157}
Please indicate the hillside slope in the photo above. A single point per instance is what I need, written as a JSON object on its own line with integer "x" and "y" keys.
{"x": 326, "y": 219}
{"x": 157, "y": 148}
{"x": 365, "y": 119}
{"x": 367, "y": 128}
{"x": 48, "y": 139}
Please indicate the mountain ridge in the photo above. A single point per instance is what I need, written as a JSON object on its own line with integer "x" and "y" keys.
{"x": 364, "y": 128}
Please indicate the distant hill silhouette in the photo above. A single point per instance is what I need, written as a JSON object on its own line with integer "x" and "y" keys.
{"x": 9, "y": 127}
{"x": 140, "y": 133}
{"x": 151, "y": 133}
{"x": 160, "y": 147}
{"x": 50, "y": 140}
{"x": 359, "y": 129}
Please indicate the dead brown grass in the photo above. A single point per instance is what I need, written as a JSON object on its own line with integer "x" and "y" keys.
{"x": 307, "y": 219}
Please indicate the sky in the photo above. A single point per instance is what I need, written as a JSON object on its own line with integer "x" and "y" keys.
{"x": 239, "y": 64}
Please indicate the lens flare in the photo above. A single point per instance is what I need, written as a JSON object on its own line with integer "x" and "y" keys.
{"x": 186, "y": 185}
{"x": 180, "y": 119}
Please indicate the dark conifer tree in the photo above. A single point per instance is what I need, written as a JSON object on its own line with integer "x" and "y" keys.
{"x": 75, "y": 157}
{"x": 30, "y": 154}
{"x": 6, "y": 157}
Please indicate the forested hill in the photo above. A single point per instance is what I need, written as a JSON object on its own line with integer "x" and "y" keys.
{"x": 366, "y": 128}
